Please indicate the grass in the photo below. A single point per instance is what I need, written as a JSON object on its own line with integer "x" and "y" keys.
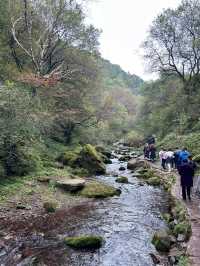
{"x": 183, "y": 261}
{"x": 11, "y": 185}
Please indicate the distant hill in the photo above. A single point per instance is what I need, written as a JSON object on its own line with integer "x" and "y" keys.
{"x": 115, "y": 75}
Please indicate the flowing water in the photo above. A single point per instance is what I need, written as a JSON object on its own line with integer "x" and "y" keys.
{"x": 127, "y": 224}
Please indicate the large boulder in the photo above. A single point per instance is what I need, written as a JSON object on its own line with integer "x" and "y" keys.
{"x": 71, "y": 185}
{"x": 91, "y": 160}
{"x": 94, "y": 189}
{"x": 137, "y": 163}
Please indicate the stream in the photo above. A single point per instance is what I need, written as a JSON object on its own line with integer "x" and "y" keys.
{"x": 127, "y": 224}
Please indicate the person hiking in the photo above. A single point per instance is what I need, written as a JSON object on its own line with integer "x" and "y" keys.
{"x": 151, "y": 140}
{"x": 152, "y": 152}
{"x": 146, "y": 151}
{"x": 183, "y": 155}
{"x": 169, "y": 159}
{"x": 163, "y": 158}
{"x": 186, "y": 172}
{"x": 176, "y": 157}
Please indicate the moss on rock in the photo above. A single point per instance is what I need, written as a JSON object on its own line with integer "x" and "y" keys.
{"x": 162, "y": 241}
{"x": 154, "y": 181}
{"x": 122, "y": 179}
{"x": 104, "y": 151}
{"x": 91, "y": 160}
{"x": 96, "y": 189}
{"x": 84, "y": 242}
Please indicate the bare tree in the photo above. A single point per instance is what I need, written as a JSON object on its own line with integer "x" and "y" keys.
{"x": 44, "y": 29}
{"x": 173, "y": 44}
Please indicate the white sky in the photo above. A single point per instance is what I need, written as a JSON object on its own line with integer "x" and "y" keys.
{"x": 125, "y": 25}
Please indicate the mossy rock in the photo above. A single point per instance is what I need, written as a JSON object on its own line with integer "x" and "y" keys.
{"x": 142, "y": 171}
{"x": 96, "y": 189}
{"x": 122, "y": 179}
{"x": 71, "y": 184}
{"x": 137, "y": 163}
{"x": 104, "y": 151}
{"x": 84, "y": 242}
{"x": 162, "y": 241}
{"x": 91, "y": 160}
{"x": 183, "y": 228}
{"x": 154, "y": 181}
{"x": 50, "y": 206}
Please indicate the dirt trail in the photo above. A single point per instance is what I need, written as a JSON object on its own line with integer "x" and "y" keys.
{"x": 193, "y": 207}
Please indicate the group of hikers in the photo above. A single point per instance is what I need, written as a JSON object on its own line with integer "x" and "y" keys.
{"x": 183, "y": 162}
{"x": 180, "y": 160}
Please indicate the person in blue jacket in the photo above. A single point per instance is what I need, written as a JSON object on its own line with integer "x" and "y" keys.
{"x": 183, "y": 155}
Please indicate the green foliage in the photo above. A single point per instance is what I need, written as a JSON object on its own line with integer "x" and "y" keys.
{"x": 190, "y": 141}
{"x": 135, "y": 139}
{"x": 183, "y": 228}
{"x": 183, "y": 261}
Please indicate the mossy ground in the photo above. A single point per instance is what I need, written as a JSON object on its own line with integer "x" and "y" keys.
{"x": 94, "y": 189}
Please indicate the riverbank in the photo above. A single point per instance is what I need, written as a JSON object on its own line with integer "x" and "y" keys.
{"x": 193, "y": 210}
{"x": 126, "y": 223}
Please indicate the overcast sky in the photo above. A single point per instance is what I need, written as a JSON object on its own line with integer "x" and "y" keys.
{"x": 125, "y": 25}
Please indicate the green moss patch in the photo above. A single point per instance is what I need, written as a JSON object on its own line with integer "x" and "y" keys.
{"x": 91, "y": 160}
{"x": 84, "y": 242}
{"x": 122, "y": 179}
{"x": 95, "y": 189}
{"x": 183, "y": 228}
{"x": 162, "y": 241}
{"x": 154, "y": 181}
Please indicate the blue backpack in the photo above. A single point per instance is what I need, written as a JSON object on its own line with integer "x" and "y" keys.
{"x": 183, "y": 155}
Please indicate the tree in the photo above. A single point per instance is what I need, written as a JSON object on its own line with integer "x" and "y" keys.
{"x": 173, "y": 44}
{"x": 43, "y": 30}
